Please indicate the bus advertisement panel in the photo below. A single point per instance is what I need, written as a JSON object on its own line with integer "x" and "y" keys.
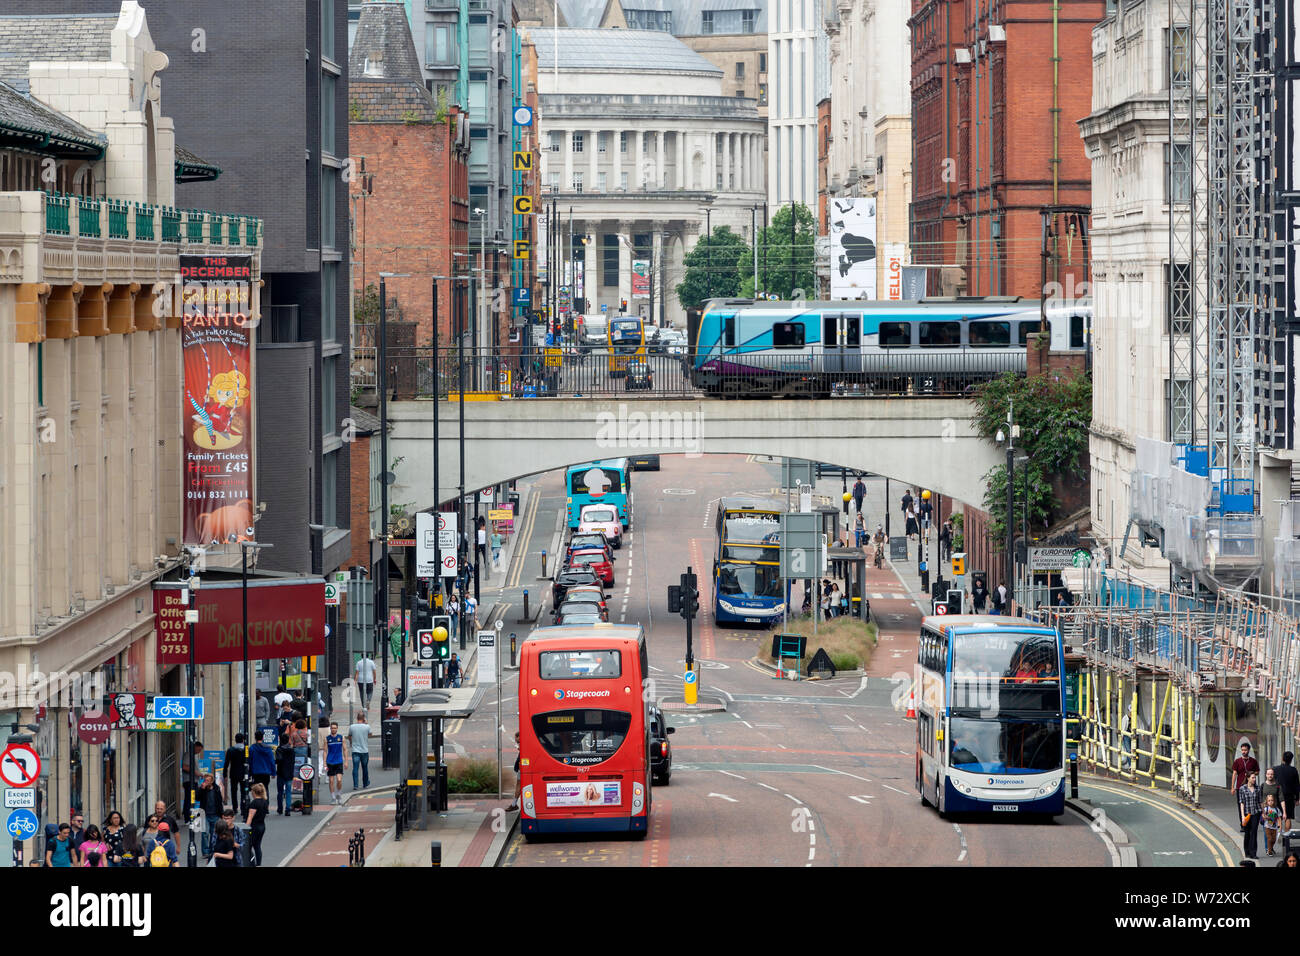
{"x": 599, "y": 482}
{"x": 584, "y": 744}
{"x": 990, "y": 716}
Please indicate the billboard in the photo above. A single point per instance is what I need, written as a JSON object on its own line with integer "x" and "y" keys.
{"x": 895, "y": 255}
{"x": 216, "y": 404}
{"x": 640, "y": 278}
{"x": 853, "y": 248}
{"x": 286, "y": 618}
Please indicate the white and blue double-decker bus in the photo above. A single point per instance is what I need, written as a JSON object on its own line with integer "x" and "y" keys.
{"x": 990, "y": 715}
{"x": 747, "y": 571}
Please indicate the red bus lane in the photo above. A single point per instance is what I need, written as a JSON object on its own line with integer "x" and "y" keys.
{"x": 372, "y": 813}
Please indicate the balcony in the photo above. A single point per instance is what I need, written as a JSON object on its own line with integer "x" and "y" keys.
{"x": 60, "y": 238}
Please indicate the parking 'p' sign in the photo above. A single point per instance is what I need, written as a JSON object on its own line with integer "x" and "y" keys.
{"x": 20, "y": 765}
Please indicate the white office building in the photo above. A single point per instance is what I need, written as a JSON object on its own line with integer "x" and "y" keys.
{"x": 798, "y": 64}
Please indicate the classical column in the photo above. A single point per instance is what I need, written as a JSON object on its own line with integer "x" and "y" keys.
{"x": 566, "y": 184}
{"x": 683, "y": 181}
{"x": 661, "y": 147}
{"x": 656, "y": 275}
{"x": 590, "y": 281}
{"x": 638, "y": 177}
{"x": 624, "y": 263}
{"x": 726, "y": 160}
{"x": 593, "y": 137}
{"x": 615, "y": 136}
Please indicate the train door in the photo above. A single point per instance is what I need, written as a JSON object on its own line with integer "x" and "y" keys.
{"x": 841, "y": 342}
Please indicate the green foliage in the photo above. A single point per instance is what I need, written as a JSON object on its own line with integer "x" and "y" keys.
{"x": 714, "y": 268}
{"x": 354, "y": 111}
{"x": 785, "y": 267}
{"x": 442, "y": 106}
{"x": 958, "y": 532}
{"x": 367, "y": 306}
{"x": 472, "y": 775}
{"x": 1053, "y": 418}
{"x": 845, "y": 662}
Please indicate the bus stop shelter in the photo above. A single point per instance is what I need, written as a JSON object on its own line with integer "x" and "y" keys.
{"x": 420, "y": 747}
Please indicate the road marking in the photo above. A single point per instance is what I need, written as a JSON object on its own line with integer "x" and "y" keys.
{"x": 766, "y": 786}
{"x": 795, "y": 799}
{"x": 895, "y": 789}
{"x": 844, "y": 773}
{"x": 862, "y": 799}
{"x": 1172, "y": 852}
{"x": 1211, "y": 843}
{"x": 961, "y": 836}
{"x": 723, "y": 796}
{"x": 730, "y": 774}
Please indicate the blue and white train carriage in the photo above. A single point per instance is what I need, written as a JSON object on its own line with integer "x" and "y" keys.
{"x": 747, "y": 347}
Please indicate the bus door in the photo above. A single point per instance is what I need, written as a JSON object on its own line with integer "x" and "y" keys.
{"x": 841, "y": 342}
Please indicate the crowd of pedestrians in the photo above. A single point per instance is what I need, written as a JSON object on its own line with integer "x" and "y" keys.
{"x": 1268, "y": 805}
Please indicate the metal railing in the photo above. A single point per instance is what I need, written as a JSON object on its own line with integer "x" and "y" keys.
{"x": 116, "y": 219}
{"x": 357, "y": 848}
{"x": 516, "y": 373}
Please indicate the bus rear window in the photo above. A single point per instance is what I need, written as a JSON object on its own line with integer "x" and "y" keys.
{"x": 596, "y": 482}
{"x": 581, "y": 737}
{"x": 564, "y": 665}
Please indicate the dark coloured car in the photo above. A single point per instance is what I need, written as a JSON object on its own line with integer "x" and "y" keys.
{"x": 638, "y": 376}
{"x": 661, "y": 754}
{"x": 581, "y": 612}
{"x": 588, "y": 593}
{"x": 588, "y": 539}
{"x": 645, "y": 463}
{"x": 572, "y": 577}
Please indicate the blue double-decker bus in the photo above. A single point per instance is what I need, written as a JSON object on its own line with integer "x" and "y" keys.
{"x": 747, "y": 570}
{"x": 599, "y": 482}
{"x": 990, "y": 716}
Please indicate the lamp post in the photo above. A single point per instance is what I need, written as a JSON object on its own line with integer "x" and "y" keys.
{"x": 247, "y": 712}
{"x": 482, "y": 281}
{"x": 385, "y": 479}
{"x": 708, "y": 236}
{"x": 1011, "y": 433}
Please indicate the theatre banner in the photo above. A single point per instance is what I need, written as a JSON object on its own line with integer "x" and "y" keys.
{"x": 286, "y": 618}
{"x": 216, "y": 407}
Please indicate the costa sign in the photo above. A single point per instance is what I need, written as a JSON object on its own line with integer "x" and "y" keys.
{"x": 285, "y": 619}
{"x": 94, "y": 728}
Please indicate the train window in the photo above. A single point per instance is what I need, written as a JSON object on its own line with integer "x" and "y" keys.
{"x": 729, "y": 332}
{"x": 830, "y": 330}
{"x": 895, "y": 333}
{"x": 989, "y": 334}
{"x": 1076, "y": 331}
{"x": 1026, "y": 329}
{"x": 940, "y": 334}
{"x": 787, "y": 335}
{"x": 853, "y": 330}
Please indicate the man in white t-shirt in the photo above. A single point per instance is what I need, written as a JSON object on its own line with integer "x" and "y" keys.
{"x": 365, "y": 678}
{"x": 283, "y": 697}
{"x": 471, "y": 616}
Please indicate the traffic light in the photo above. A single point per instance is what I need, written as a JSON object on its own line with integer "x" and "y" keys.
{"x": 674, "y": 599}
{"x": 690, "y": 602}
{"x": 441, "y": 636}
{"x": 622, "y": 305}
{"x": 422, "y": 615}
{"x": 954, "y": 602}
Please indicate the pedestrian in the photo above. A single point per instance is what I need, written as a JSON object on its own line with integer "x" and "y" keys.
{"x": 859, "y": 493}
{"x": 257, "y": 810}
{"x": 925, "y": 512}
{"x": 979, "y": 594}
{"x": 132, "y": 849}
{"x": 471, "y": 615}
{"x": 365, "y": 674}
{"x": 223, "y": 847}
{"x": 1271, "y": 817}
{"x": 190, "y": 784}
{"x": 60, "y": 851}
{"x": 453, "y": 671}
{"x": 1243, "y": 767}
{"x": 284, "y": 718}
{"x": 93, "y": 850}
{"x": 262, "y": 710}
{"x": 453, "y": 611}
{"x": 78, "y": 832}
{"x": 945, "y": 541}
{"x": 232, "y": 771}
{"x": 480, "y": 548}
{"x": 1289, "y": 780}
{"x": 210, "y": 802}
{"x": 1248, "y": 804}
{"x": 359, "y": 743}
{"x": 1270, "y": 787}
{"x": 261, "y": 763}
{"x": 1291, "y": 860}
{"x": 112, "y": 835}
{"x": 859, "y": 530}
{"x": 496, "y": 550}
{"x": 514, "y": 804}
{"x": 399, "y": 697}
{"x": 844, "y": 605}
{"x": 335, "y": 760}
{"x": 228, "y": 818}
{"x": 282, "y": 696}
{"x": 160, "y": 851}
{"x": 1004, "y": 600}
{"x": 907, "y": 502}
{"x": 835, "y": 600}
{"x": 284, "y": 767}
{"x": 148, "y": 833}
{"x": 162, "y": 816}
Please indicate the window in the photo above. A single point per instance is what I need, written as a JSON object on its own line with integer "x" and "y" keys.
{"x": 557, "y": 141}
{"x": 572, "y": 665}
{"x": 740, "y": 94}
{"x": 328, "y": 88}
{"x": 762, "y": 94}
{"x": 328, "y": 381}
{"x": 740, "y": 69}
{"x": 706, "y": 21}
{"x": 479, "y": 38}
{"x": 762, "y": 63}
{"x": 440, "y": 47}
{"x": 327, "y": 29}
{"x": 329, "y": 179}
{"x": 553, "y": 182}
{"x": 583, "y": 737}
{"x": 577, "y": 181}
{"x": 600, "y": 182}
{"x": 1180, "y": 409}
{"x": 622, "y": 181}
{"x": 939, "y": 334}
{"x": 577, "y": 141}
{"x": 1179, "y": 40}
{"x": 609, "y": 259}
{"x": 896, "y": 334}
{"x": 622, "y": 141}
{"x": 329, "y": 487}
{"x": 787, "y": 335}
{"x": 1026, "y": 329}
{"x": 1178, "y": 285}
{"x": 989, "y": 334}
{"x": 747, "y": 19}
{"x": 602, "y": 140}
{"x": 478, "y": 112}
{"x": 329, "y": 301}
{"x": 1178, "y": 172}
{"x": 729, "y": 332}
{"x": 1077, "y": 329}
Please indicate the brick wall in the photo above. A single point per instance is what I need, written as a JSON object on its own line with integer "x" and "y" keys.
{"x": 359, "y": 512}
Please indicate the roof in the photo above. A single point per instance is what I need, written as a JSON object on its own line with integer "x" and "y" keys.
{"x": 622, "y": 51}
{"x": 366, "y": 423}
{"x": 192, "y": 169}
{"x": 384, "y": 101}
{"x": 52, "y": 38}
{"x": 601, "y": 631}
{"x": 46, "y": 129}
{"x": 383, "y": 41}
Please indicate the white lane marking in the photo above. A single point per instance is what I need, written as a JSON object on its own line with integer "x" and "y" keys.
{"x": 795, "y": 799}
{"x": 730, "y": 774}
{"x": 812, "y": 854}
{"x": 861, "y": 687}
{"x": 768, "y": 787}
{"x": 961, "y": 836}
{"x": 622, "y": 617}
{"x": 862, "y": 799}
{"x": 723, "y": 796}
{"x": 842, "y": 772}
{"x": 1171, "y": 852}
{"x": 895, "y": 789}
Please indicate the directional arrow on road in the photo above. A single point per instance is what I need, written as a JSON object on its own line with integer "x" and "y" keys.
{"x": 723, "y": 796}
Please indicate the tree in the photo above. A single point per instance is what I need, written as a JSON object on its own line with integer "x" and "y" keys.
{"x": 1053, "y": 417}
{"x": 714, "y": 268}
{"x": 366, "y": 308}
{"x": 785, "y": 267}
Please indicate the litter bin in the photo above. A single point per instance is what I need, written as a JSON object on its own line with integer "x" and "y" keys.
{"x": 438, "y": 790}
{"x": 390, "y": 738}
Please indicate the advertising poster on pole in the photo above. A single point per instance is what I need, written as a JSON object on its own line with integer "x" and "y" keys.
{"x": 853, "y": 248}
{"x": 895, "y": 259}
{"x": 640, "y": 278}
{"x": 216, "y": 404}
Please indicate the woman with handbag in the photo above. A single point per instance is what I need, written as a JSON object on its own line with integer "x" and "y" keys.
{"x": 1248, "y": 804}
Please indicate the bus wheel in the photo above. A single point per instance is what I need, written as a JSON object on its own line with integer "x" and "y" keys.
{"x": 939, "y": 800}
{"x": 530, "y": 837}
{"x": 920, "y": 785}
{"x": 639, "y": 835}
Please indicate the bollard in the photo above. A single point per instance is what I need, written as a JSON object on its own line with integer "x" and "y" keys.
{"x": 1074, "y": 776}
{"x": 512, "y": 649}
{"x": 435, "y": 853}
{"x": 526, "y": 593}
{"x": 543, "y": 562}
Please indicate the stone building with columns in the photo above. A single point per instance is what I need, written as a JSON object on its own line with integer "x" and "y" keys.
{"x": 643, "y": 151}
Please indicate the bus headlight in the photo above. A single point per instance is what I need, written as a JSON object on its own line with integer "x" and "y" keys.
{"x": 1049, "y": 788}
{"x": 730, "y": 609}
{"x": 527, "y": 801}
{"x": 638, "y": 798}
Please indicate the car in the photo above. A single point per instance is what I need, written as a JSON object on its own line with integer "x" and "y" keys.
{"x": 602, "y": 520}
{"x": 661, "y": 755}
{"x": 592, "y": 542}
{"x": 587, "y": 593}
{"x": 645, "y": 463}
{"x": 569, "y": 578}
{"x": 639, "y": 376}
{"x": 570, "y": 611}
{"x": 598, "y": 561}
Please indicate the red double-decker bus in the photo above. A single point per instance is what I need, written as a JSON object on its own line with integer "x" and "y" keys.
{"x": 584, "y": 739}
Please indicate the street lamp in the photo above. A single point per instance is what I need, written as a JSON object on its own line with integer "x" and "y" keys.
{"x": 386, "y": 477}
{"x": 248, "y": 691}
{"x": 1009, "y": 436}
{"x": 482, "y": 264}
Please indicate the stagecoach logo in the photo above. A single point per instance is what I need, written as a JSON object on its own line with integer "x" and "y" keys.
{"x": 597, "y": 482}
{"x": 579, "y": 694}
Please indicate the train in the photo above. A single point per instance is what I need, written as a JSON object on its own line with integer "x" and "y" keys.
{"x": 752, "y": 348}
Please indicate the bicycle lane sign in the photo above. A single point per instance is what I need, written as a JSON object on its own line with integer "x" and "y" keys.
{"x": 22, "y": 824}
{"x": 20, "y": 765}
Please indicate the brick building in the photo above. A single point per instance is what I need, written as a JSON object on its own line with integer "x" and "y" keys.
{"x": 412, "y": 200}
{"x": 984, "y": 77}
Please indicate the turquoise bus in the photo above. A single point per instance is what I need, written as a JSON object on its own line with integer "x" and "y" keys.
{"x": 600, "y": 482}
{"x": 747, "y": 571}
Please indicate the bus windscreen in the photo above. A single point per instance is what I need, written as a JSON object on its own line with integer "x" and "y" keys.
{"x": 1005, "y": 746}
{"x": 753, "y": 528}
{"x": 754, "y": 580}
{"x": 563, "y": 665}
{"x": 581, "y": 737}
{"x": 590, "y": 482}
